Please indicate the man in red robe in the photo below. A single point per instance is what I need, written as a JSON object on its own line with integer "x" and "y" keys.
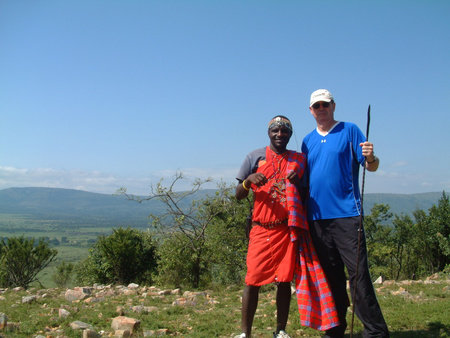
{"x": 279, "y": 244}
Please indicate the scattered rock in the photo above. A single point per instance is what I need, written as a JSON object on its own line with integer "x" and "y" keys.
{"x": 433, "y": 277}
{"x": 138, "y": 308}
{"x": 75, "y": 294}
{"x": 430, "y": 281}
{"x": 152, "y": 333}
{"x": 78, "y": 325}
{"x": 406, "y": 282}
{"x": 389, "y": 282}
{"x": 128, "y": 292}
{"x": 120, "y": 310}
{"x": 125, "y": 323}
{"x": 184, "y": 302}
{"x": 194, "y": 294}
{"x": 41, "y": 292}
{"x": 81, "y": 298}
{"x": 63, "y": 313}
{"x": 122, "y": 334}
{"x": 94, "y": 299}
{"x": 379, "y": 280}
{"x": 88, "y": 333}
{"x": 28, "y": 299}
{"x": 400, "y": 292}
{"x": 99, "y": 286}
{"x": 106, "y": 293}
{"x": 143, "y": 309}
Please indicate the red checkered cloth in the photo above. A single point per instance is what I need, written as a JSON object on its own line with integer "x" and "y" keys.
{"x": 297, "y": 215}
{"x": 315, "y": 302}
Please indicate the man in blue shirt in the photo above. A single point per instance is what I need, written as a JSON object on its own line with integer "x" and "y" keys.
{"x": 335, "y": 151}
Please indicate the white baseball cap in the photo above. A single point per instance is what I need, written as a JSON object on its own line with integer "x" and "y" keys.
{"x": 320, "y": 95}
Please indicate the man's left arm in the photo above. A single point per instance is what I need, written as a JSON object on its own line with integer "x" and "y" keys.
{"x": 372, "y": 162}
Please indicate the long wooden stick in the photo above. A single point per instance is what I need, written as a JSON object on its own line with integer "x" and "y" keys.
{"x": 359, "y": 231}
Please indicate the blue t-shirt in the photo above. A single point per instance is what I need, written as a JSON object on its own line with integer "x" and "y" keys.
{"x": 333, "y": 171}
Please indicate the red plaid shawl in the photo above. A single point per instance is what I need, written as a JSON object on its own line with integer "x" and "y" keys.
{"x": 315, "y": 302}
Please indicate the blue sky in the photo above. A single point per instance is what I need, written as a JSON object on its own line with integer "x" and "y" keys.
{"x": 96, "y": 95}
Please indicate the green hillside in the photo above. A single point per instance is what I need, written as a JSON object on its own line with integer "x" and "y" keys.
{"x": 77, "y": 216}
{"x": 72, "y": 220}
{"x": 48, "y": 210}
{"x": 68, "y": 204}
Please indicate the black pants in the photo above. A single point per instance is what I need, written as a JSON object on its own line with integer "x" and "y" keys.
{"x": 336, "y": 242}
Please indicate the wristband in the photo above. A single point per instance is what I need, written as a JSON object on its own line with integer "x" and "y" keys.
{"x": 243, "y": 185}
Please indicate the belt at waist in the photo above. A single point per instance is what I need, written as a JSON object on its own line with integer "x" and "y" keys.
{"x": 271, "y": 225}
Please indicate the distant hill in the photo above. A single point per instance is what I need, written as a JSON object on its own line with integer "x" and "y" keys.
{"x": 402, "y": 203}
{"x": 101, "y": 209}
{"x": 68, "y": 204}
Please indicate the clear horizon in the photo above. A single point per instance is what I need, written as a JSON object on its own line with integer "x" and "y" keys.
{"x": 209, "y": 188}
{"x": 99, "y": 95}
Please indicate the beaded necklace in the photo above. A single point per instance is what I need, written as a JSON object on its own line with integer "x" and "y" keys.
{"x": 277, "y": 191}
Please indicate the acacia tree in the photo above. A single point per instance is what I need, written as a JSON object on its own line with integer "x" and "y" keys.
{"x": 21, "y": 259}
{"x": 227, "y": 241}
{"x": 186, "y": 253}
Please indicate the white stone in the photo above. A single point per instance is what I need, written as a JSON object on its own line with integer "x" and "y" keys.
{"x": 63, "y": 313}
{"x": 379, "y": 280}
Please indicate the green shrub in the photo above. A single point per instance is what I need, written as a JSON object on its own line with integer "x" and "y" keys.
{"x": 127, "y": 255}
{"x": 21, "y": 259}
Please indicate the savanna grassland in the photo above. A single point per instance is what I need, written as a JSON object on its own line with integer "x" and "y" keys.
{"x": 411, "y": 308}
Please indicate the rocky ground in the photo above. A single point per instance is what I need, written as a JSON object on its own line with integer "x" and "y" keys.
{"x": 121, "y": 311}
{"x": 121, "y": 325}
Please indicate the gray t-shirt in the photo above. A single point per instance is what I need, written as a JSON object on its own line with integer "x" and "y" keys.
{"x": 250, "y": 164}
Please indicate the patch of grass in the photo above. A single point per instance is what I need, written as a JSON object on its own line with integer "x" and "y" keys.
{"x": 422, "y": 311}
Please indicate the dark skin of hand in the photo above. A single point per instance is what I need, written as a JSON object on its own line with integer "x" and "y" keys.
{"x": 279, "y": 139}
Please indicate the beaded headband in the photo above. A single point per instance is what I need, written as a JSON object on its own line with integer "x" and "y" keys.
{"x": 280, "y": 122}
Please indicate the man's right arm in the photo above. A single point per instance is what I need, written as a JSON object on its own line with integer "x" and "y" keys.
{"x": 241, "y": 190}
{"x": 243, "y": 187}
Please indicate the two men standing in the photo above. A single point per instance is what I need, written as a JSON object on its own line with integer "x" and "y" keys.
{"x": 334, "y": 151}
